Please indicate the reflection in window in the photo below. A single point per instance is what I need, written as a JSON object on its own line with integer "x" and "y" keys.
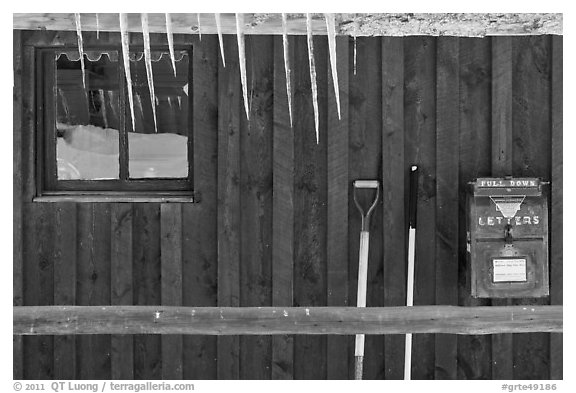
{"x": 161, "y": 154}
{"x": 87, "y": 120}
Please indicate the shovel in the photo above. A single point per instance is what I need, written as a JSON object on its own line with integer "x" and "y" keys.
{"x": 363, "y": 264}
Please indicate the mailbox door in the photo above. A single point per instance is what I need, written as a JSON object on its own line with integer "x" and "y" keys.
{"x": 513, "y": 270}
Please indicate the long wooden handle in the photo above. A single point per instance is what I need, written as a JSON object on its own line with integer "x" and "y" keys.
{"x": 409, "y": 301}
{"x": 361, "y": 296}
{"x": 358, "y": 367}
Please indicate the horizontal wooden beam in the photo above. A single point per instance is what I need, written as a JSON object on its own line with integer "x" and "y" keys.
{"x": 36, "y": 320}
{"x": 464, "y": 24}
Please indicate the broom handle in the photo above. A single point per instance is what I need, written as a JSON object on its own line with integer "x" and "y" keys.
{"x": 409, "y": 301}
{"x": 361, "y": 298}
{"x": 412, "y": 204}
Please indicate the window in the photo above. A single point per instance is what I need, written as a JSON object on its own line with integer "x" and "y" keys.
{"x": 88, "y": 141}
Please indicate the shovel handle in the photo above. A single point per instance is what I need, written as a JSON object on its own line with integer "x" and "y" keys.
{"x": 363, "y": 269}
{"x": 366, "y": 183}
{"x": 361, "y": 297}
{"x": 359, "y": 184}
{"x": 358, "y": 367}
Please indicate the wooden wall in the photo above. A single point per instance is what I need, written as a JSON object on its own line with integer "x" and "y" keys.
{"x": 276, "y": 224}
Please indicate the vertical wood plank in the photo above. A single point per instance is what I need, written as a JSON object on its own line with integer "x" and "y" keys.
{"x": 39, "y": 286}
{"x": 283, "y": 208}
{"x": 93, "y": 271}
{"x": 501, "y": 106}
{"x": 146, "y": 284}
{"x": 447, "y": 148}
{"x": 394, "y": 169}
{"x": 17, "y": 198}
{"x": 502, "y": 351}
{"x": 171, "y": 283}
{"x": 556, "y": 231}
{"x": 199, "y": 220}
{"x": 365, "y": 152}
{"x": 475, "y": 146}
{"x": 532, "y": 149}
{"x": 229, "y": 202}
{"x": 65, "y": 285}
{"x": 310, "y": 196}
{"x": 338, "y": 355}
{"x": 34, "y": 363}
{"x": 256, "y": 201}
{"x": 420, "y": 123}
{"x": 122, "y": 354}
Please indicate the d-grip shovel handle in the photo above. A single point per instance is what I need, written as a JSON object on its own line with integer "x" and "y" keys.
{"x": 374, "y": 184}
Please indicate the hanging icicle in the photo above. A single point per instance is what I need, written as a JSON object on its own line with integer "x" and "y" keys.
{"x": 126, "y": 57}
{"x": 110, "y": 95}
{"x": 97, "y": 27}
{"x": 287, "y": 65}
{"x": 313, "y": 75}
{"x": 354, "y": 55}
{"x": 242, "y": 60}
{"x": 148, "y": 60}
{"x": 331, "y": 27}
{"x": 103, "y": 107}
{"x": 170, "y": 42}
{"x": 65, "y": 106}
{"x": 199, "y": 27}
{"x": 219, "y": 28}
{"x": 140, "y": 107}
{"x": 80, "y": 48}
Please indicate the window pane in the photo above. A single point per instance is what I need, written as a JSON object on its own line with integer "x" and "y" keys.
{"x": 87, "y": 120}
{"x": 159, "y": 151}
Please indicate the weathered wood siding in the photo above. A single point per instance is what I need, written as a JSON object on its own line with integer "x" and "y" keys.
{"x": 276, "y": 224}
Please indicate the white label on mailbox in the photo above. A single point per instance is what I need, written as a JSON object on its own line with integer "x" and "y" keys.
{"x": 506, "y": 270}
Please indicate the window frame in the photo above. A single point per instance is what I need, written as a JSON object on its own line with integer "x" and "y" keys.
{"x": 47, "y": 183}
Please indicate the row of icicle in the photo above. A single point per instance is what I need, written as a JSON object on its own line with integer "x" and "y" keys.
{"x": 330, "y": 27}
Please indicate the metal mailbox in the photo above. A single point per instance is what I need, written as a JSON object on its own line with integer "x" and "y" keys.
{"x": 507, "y": 237}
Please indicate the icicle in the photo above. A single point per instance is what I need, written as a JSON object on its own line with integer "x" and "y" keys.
{"x": 140, "y": 106}
{"x": 110, "y": 95}
{"x": 148, "y": 60}
{"x": 97, "y": 27}
{"x": 170, "y": 103}
{"x": 242, "y": 60}
{"x": 126, "y": 57}
{"x": 170, "y": 42}
{"x": 64, "y": 105}
{"x": 179, "y": 102}
{"x": 287, "y": 65}
{"x": 354, "y": 55}
{"x": 331, "y": 27}
{"x": 103, "y": 107}
{"x": 219, "y": 28}
{"x": 313, "y": 75}
{"x": 199, "y": 27}
{"x": 80, "y": 48}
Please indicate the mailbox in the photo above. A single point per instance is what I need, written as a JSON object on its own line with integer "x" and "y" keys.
{"x": 507, "y": 238}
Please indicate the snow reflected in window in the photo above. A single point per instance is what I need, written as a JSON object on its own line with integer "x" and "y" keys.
{"x": 87, "y": 119}
{"x": 159, "y": 151}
